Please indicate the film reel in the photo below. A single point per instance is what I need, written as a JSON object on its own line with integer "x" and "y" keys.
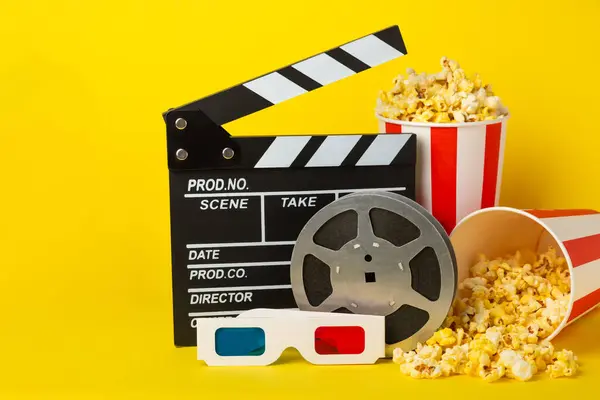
{"x": 377, "y": 253}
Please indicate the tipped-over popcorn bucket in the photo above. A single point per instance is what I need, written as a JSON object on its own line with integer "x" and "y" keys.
{"x": 575, "y": 234}
{"x": 459, "y": 165}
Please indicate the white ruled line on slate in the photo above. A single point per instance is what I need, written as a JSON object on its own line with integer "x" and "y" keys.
{"x": 241, "y": 264}
{"x": 238, "y": 289}
{"x": 291, "y": 193}
{"x": 241, "y": 244}
{"x": 217, "y": 313}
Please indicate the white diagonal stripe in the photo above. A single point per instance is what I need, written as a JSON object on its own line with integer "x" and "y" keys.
{"x": 282, "y": 152}
{"x": 371, "y": 50}
{"x": 423, "y": 178}
{"x": 469, "y": 169}
{"x": 383, "y": 150}
{"x": 586, "y": 278}
{"x": 274, "y": 87}
{"x": 574, "y": 227}
{"x": 333, "y": 151}
{"x": 323, "y": 69}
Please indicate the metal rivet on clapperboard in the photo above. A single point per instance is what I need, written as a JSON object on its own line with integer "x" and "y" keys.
{"x": 180, "y": 123}
{"x": 181, "y": 154}
{"x": 228, "y": 153}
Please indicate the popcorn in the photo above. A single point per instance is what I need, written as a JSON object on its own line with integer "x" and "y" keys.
{"x": 443, "y": 337}
{"x": 498, "y": 325}
{"x": 521, "y": 370}
{"x": 423, "y": 369}
{"x": 422, "y": 363}
{"x": 443, "y": 97}
{"x": 493, "y": 373}
{"x": 507, "y": 358}
{"x": 400, "y": 357}
{"x": 494, "y": 336}
{"x": 565, "y": 364}
{"x": 454, "y": 360}
{"x": 429, "y": 352}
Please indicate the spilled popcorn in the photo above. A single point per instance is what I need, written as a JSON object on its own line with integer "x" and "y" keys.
{"x": 447, "y": 96}
{"x": 498, "y": 324}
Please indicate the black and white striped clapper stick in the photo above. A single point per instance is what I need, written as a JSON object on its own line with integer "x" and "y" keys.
{"x": 238, "y": 203}
{"x": 208, "y": 114}
{"x": 301, "y": 77}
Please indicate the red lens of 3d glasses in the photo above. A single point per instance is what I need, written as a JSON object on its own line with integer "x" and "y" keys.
{"x": 339, "y": 340}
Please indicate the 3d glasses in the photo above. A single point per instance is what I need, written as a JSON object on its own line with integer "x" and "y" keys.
{"x": 259, "y": 337}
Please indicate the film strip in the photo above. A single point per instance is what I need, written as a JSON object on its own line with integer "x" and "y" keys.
{"x": 237, "y": 204}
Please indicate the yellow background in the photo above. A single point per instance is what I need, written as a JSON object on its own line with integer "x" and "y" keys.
{"x": 85, "y": 296}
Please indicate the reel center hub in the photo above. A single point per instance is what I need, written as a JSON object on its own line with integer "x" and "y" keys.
{"x": 371, "y": 277}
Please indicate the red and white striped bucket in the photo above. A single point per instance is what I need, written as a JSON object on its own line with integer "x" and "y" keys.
{"x": 575, "y": 234}
{"x": 459, "y": 166}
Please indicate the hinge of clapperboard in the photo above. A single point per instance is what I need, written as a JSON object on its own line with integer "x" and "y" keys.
{"x": 196, "y": 138}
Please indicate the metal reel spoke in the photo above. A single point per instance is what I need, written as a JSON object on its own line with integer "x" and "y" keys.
{"x": 416, "y": 299}
{"x": 328, "y": 256}
{"x": 365, "y": 226}
{"x": 333, "y": 302}
{"x": 410, "y": 250}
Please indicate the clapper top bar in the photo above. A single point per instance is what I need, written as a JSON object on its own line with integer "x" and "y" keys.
{"x": 199, "y": 136}
{"x": 301, "y": 77}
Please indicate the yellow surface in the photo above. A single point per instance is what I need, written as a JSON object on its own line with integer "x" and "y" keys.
{"x": 84, "y": 231}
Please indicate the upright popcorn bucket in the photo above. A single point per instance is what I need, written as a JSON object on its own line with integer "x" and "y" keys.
{"x": 575, "y": 234}
{"x": 459, "y": 165}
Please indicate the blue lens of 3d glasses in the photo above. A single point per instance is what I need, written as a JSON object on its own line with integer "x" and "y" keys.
{"x": 232, "y": 342}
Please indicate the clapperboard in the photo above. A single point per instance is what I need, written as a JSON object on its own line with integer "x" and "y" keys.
{"x": 237, "y": 204}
